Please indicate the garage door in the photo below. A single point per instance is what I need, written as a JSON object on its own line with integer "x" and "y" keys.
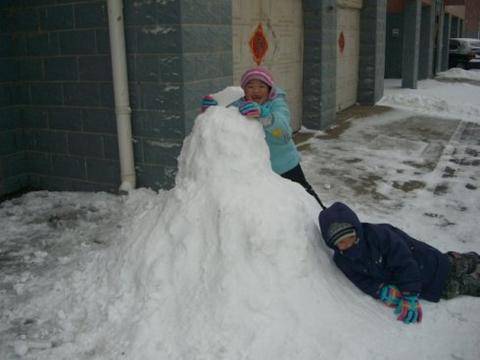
{"x": 348, "y": 50}
{"x": 282, "y": 22}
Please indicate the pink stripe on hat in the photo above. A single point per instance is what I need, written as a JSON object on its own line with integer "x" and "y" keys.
{"x": 259, "y": 73}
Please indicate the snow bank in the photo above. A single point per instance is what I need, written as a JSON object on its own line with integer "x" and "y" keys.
{"x": 435, "y": 98}
{"x": 222, "y": 267}
{"x": 433, "y": 105}
{"x": 225, "y": 264}
{"x": 459, "y": 74}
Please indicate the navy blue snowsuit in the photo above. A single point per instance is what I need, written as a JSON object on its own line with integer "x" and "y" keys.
{"x": 385, "y": 255}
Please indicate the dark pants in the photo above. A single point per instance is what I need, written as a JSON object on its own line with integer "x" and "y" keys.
{"x": 464, "y": 275}
{"x": 297, "y": 175}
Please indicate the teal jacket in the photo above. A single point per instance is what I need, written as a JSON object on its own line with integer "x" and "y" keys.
{"x": 284, "y": 155}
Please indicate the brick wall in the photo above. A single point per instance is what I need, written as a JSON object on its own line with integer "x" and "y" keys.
{"x": 58, "y": 122}
{"x": 472, "y": 18}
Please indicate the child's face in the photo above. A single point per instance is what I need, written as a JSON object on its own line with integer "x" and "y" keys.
{"x": 346, "y": 243}
{"x": 257, "y": 91}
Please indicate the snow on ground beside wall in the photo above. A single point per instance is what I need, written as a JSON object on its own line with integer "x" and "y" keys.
{"x": 433, "y": 97}
{"x": 459, "y": 74}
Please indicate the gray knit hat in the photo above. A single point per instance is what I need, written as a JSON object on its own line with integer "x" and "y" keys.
{"x": 339, "y": 231}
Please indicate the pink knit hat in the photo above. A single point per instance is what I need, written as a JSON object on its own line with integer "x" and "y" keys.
{"x": 258, "y": 73}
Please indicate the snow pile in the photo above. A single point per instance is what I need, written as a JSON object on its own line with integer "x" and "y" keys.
{"x": 436, "y": 98}
{"x": 224, "y": 264}
{"x": 459, "y": 74}
{"x": 428, "y": 104}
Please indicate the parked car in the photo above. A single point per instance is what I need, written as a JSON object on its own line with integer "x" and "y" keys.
{"x": 464, "y": 53}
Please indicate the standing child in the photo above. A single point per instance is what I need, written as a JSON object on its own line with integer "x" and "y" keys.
{"x": 267, "y": 103}
{"x": 391, "y": 266}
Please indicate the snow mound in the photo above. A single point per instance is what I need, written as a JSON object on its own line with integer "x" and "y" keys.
{"x": 459, "y": 74}
{"x": 221, "y": 266}
{"x": 427, "y": 104}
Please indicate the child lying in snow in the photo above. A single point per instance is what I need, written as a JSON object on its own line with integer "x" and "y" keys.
{"x": 267, "y": 103}
{"x": 391, "y": 266}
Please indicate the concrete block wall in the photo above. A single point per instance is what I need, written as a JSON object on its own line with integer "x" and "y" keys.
{"x": 63, "y": 73}
{"x": 59, "y": 117}
{"x": 447, "y": 22}
{"x": 178, "y": 51}
{"x": 13, "y": 175}
{"x": 372, "y": 51}
{"x": 319, "y": 63}
{"x": 427, "y": 26}
{"x": 440, "y": 23}
{"x": 411, "y": 43}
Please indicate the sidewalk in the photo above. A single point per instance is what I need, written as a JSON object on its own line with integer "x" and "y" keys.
{"x": 425, "y": 145}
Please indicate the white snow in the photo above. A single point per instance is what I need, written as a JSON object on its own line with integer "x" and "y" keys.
{"x": 229, "y": 264}
{"x": 228, "y": 95}
{"x": 459, "y": 74}
{"x": 445, "y": 99}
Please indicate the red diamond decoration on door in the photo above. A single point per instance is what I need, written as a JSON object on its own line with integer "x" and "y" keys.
{"x": 341, "y": 42}
{"x": 258, "y": 44}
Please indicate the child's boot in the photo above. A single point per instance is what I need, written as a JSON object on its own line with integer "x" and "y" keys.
{"x": 471, "y": 284}
{"x": 464, "y": 263}
{"x": 475, "y": 256}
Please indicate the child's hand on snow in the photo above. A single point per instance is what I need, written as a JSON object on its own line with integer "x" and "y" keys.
{"x": 250, "y": 108}
{"x": 208, "y": 101}
{"x": 390, "y": 295}
{"x": 409, "y": 309}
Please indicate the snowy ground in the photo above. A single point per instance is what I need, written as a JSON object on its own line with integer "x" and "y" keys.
{"x": 230, "y": 265}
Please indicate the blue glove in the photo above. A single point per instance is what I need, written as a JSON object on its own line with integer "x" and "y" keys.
{"x": 409, "y": 309}
{"x": 390, "y": 295}
{"x": 250, "y": 108}
{"x": 208, "y": 101}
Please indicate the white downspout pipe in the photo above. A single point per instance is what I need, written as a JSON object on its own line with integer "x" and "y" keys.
{"x": 120, "y": 89}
